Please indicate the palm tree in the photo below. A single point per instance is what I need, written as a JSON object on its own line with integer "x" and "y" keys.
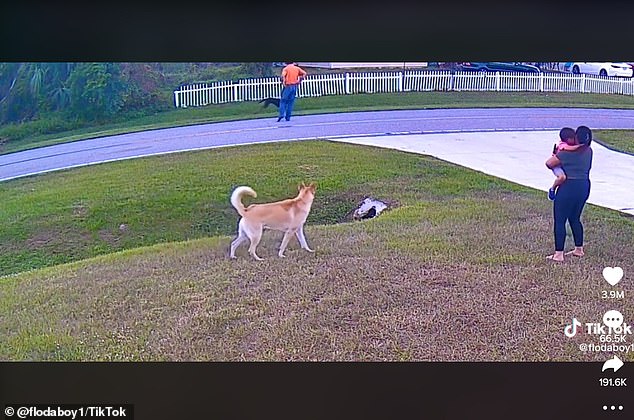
{"x": 60, "y": 96}
{"x": 10, "y": 71}
{"x": 59, "y": 92}
{"x": 37, "y": 72}
{"x": 33, "y": 87}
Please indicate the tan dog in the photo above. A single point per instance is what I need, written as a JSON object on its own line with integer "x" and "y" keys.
{"x": 288, "y": 216}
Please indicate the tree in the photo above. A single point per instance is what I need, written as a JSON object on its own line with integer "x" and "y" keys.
{"x": 8, "y": 77}
{"x": 258, "y": 69}
{"x": 96, "y": 90}
{"x": 27, "y": 89}
{"x": 58, "y": 92}
{"x": 144, "y": 82}
{"x": 19, "y": 104}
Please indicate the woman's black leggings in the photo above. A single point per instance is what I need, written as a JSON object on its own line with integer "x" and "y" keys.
{"x": 569, "y": 201}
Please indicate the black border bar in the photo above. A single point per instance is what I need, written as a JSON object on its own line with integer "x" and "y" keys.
{"x": 390, "y": 390}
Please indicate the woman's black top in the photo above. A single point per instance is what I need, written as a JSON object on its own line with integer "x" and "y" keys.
{"x": 576, "y": 163}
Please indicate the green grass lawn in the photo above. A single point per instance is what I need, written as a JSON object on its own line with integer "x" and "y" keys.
{"x": 622, "y": 140}
{"x": 455, "y": 271}
{"x": 324, "y": 104}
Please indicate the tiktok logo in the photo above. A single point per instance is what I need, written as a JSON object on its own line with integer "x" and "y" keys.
{"x": 571, "y": 330}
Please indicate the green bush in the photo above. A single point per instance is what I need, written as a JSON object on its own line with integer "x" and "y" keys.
{"x": 144, "y": 88}
{"x": 96, "y": 90}
{"x": 205, "y": 72}
{"x": 52, "y": 123}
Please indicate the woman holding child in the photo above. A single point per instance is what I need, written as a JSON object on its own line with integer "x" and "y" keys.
{"x": 572, "y": 194}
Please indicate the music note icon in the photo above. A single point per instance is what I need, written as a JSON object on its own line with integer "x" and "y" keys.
{"x": 571, "y": 330}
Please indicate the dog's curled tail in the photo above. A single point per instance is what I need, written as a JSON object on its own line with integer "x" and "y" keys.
{"x": 236, "y": 198}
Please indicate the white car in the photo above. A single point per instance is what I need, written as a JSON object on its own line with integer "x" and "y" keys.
{"x": 600, "y": 69}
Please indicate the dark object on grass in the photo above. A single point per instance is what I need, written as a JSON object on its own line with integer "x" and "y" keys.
{"x": 271, "y": 101}
{"x": 369, "y": 214}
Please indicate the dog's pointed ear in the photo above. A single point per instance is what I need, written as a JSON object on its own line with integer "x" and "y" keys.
{"x": 312, "y": 186}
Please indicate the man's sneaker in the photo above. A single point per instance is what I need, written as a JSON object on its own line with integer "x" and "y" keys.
{"x": 279, "y": 119}
{"x": 551, "y": 194}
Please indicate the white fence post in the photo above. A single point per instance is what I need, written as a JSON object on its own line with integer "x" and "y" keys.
{"x": 201, "y": 94}
{"x": 622, "y": 82}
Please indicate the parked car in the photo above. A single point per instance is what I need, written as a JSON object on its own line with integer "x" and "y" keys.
{"x": 600, "y": 69}
{"x": 498, "y": 66}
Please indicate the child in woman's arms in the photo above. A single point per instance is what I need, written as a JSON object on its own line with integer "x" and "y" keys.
{"x": 567, "y": 141}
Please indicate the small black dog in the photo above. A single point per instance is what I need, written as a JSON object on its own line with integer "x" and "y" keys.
{"x": 271, "y": 101}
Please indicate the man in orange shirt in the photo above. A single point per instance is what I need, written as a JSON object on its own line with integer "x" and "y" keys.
{"x": 292, "y": 74}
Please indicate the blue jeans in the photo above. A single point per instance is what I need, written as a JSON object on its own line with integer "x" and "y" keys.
{"x": 287, "y": 100}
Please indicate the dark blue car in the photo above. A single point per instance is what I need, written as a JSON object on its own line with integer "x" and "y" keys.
{"x": 498, "y": 66}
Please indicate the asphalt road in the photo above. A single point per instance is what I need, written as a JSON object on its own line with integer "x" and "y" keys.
{"x": 324, "y": 126}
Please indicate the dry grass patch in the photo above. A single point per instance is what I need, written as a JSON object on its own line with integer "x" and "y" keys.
{"x": 383, "y": 289}
{"x": 456, "y": 272}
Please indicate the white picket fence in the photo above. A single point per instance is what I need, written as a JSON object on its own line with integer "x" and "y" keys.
{"x": 201, "y": 94}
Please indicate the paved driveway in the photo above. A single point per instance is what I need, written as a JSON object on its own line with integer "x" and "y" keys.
{"x": 519, "y": 157}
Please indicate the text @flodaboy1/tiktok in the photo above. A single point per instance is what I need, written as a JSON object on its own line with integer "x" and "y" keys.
{"x": 612, "y": 333}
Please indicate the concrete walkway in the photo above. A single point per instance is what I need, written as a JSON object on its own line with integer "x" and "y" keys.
{"x": 519, "y": 157}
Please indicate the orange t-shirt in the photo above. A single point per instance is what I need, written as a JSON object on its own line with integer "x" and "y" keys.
{"x": 291, "y": 74}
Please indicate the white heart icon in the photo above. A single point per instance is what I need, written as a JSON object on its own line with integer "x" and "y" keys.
{"x": 613, "y": 275}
